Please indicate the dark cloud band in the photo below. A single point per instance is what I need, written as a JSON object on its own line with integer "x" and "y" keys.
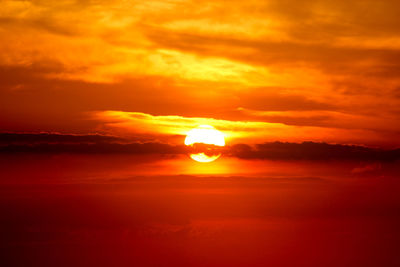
{"x": 104, "y": 144}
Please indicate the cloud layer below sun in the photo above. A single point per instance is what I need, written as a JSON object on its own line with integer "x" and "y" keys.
{"x": 262, "y": 70}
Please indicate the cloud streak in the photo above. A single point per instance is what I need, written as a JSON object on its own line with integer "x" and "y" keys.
{"x": 46, "y": 143}
{"x": 256, "y": 126}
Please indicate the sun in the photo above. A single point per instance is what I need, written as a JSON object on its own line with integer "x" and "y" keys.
{"x": 205, "y": 142}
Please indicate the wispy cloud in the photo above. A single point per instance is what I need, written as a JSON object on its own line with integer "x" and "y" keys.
{"x": 284, "y": 126}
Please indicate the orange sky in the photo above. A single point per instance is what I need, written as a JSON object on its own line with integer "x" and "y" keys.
{"x": 258, "y": 70}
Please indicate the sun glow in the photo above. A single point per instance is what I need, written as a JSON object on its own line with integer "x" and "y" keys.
{"x": 204, "y": 139}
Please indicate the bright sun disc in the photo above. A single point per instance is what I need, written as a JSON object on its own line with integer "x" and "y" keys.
{"x": 207, "y": 137}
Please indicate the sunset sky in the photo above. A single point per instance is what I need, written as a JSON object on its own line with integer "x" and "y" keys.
{"x": 324, "y": 71}
{"x": 106, "y": 114}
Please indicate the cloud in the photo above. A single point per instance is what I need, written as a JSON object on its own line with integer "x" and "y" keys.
{"x": 367, "y": 168}
{"x": 86, "y": 144}
{"x": 325, "y": 64}
{"x": 179, "y": 39}
{"x": 236, "y": 131}
{"x": 100, "y": 144}
{"x": 311, "y": 151}
{"x": 257, "y": 127}
{"x": 55, "y": 138}
{"x": 280, "y": 99}
{"x": 326, "y": 118}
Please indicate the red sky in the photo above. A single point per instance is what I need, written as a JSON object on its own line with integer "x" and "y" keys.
{"x": 96, "y": 97}
{"x": 124, "y": 210}
{"x": 258, "y": 70}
